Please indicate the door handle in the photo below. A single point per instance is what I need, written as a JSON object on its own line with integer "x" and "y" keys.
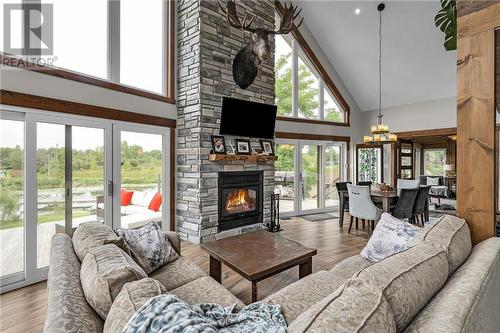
{"x": 110, "y": 188}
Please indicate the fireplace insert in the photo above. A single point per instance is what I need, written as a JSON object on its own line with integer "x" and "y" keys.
{"x": 240, "y": 199}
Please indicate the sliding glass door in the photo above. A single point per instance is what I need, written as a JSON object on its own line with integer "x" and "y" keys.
{"x": 284, "y": 176}
{"x": 310, "y": 176}
{"x": 12, "y": 226}
{"x": 71, "y": 178}
{"x": 305, "y": 175}
{"x": 58, "y": 171}
{"x": 333, "y": 173}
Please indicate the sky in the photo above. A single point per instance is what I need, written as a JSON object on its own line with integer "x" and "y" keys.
{"x": 52, "y": 135}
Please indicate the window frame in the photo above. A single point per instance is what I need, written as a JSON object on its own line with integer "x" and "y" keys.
{"x": 300, "y": 46}
{"x": 113, "y": 65}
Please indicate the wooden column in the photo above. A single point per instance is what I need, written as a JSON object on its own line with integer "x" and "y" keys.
{"x": 476, "y": 118}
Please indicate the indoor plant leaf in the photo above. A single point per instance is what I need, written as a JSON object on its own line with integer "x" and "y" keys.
{"x": 446, "y": 21}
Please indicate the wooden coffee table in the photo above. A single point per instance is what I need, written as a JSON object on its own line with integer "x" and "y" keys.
{"x": 257, "y": 256}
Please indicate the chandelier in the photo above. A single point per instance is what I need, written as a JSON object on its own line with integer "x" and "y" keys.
{"x": 380, "y": 132}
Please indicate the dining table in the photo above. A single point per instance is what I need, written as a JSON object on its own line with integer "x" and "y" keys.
{"x": 385, "y": 197}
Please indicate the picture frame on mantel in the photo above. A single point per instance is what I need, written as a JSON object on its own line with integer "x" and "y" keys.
{"x": 243, "y": 147}
{"x": 218, "y": 144}
{"x": 267, "y": 147}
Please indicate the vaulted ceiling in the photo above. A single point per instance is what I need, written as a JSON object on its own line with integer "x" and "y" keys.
{"x": 415, "y": 65}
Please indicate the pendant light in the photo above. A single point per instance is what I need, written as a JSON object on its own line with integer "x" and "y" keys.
{"x": 380, "y": 132}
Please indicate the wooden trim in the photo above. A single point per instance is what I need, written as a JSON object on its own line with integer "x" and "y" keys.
{"x": 476, "y": 121}
{"x": 482, "y": 20}
{"x": 466, "y": 7}
{"x": 317, "y": 65}
{"x": 394, "y": 163}
{"x": 366, "y": 145}
{"x": 171, "y": 52}
{"x": 311, "y": 121}
{"x": 58, "y": 105}
{"x": 234, "y": 157}
{"x": 16, "y": 62}
{"x": 424, "y": 133}
{"x": 172, "y": 179}
{"x": 314, "y": 137}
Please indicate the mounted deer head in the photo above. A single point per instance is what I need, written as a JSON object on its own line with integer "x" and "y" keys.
{"x": 257, "y": 50}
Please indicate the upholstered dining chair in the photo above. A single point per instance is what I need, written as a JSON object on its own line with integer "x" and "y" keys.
{"x": 421, "y": 202}
{"x": 362, "y": 207}
{"x": 342, "y": 186}
{"x": 407, "y": 183}
{"x": 404, "y": 206}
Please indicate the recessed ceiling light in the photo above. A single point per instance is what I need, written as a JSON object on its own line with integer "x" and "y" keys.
{"x": 357, "y": 11}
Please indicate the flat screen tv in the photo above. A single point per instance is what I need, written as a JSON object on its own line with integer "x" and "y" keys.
{"x": 245, "y": 118}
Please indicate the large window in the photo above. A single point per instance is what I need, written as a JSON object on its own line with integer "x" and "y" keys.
{"x": 58, "y": 171}
{"x": 122, "y": 41}
{"x": 300, "y": 91}
{"x": 434, "y": 161}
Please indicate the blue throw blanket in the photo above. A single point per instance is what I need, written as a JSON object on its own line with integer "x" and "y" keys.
{"x": 167, "y": 313}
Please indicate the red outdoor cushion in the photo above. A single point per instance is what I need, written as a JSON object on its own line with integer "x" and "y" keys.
{"x": 155, "y": 202}
{"x": 126, "y": 197}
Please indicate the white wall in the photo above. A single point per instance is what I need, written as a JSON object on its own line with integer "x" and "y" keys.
{"x": 441, "y": 113}
{"x": 40, "y": 84}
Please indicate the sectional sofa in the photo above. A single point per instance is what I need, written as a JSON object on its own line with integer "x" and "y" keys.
{"x": 442, "y": 284}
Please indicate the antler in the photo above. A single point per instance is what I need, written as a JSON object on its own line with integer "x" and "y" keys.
{"x": 287, "y": 25}
{"x": 232, "y": 17}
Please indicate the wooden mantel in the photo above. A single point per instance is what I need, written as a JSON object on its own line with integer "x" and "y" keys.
{"x": 250, "y": 158}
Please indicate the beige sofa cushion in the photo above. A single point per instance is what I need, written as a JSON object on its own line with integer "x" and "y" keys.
{"x": 301, "y": 295}
{"x": 104, "y": 272}
{"x": 470, "y": 300}
{"x": 452, "y": 234}
{"x": 129, "y": 300}
{"x": 206, "y": 290}
{"x": 91, "y": 235}
{"x": 177, "y": 273}
{"x": 350, "y": 266}
{"x": 357, "y": 306}
{"x": 409, "y": 279}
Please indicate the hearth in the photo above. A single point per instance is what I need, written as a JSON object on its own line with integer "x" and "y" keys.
{"x": 240, "y": 199}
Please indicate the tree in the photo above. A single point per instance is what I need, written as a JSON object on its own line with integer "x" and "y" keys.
{"x": 9, "y": 205}
{"x": 368, "y": 164}
{"x": 308, "y": 94}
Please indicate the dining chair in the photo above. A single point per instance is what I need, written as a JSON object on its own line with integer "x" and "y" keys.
{"x": 407, "y": 183}
{"x": 362, "y": 207}
{"x": 421, "y": 204}
{"x": 342, "y": 186}
{"x": 404, "y": 206}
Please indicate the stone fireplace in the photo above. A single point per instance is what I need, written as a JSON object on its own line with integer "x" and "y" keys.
{"x": 206, "y": 48}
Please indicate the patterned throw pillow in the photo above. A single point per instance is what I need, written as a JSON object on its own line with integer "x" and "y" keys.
{"x": 433, "y": 181}
{"x": 149, "y": 246}
{"x": 391, "y": 236}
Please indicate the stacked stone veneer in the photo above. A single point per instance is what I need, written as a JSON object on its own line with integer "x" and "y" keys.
{"x": 206, "y": 48}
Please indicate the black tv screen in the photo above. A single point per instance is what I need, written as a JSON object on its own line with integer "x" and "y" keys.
{"x": 245, "y": 118}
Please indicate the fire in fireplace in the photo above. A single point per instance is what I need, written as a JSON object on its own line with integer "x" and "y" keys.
{"x": 240, "y": 199}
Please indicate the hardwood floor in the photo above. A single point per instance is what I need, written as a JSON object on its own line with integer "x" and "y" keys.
{"x": 23, "y": 310}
